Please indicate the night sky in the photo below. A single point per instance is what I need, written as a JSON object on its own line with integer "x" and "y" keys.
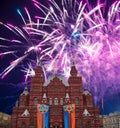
{"x": 12, "y": 86}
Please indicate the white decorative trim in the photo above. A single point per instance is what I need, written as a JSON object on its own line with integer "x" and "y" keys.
{"x": 86, "y": 113}
{"x": 25, "y": 113}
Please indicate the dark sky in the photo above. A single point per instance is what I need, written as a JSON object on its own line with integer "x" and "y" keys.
{"x": 11, "y": 86}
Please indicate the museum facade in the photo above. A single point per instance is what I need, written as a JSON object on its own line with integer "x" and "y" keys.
{"x": 55, "y": 104}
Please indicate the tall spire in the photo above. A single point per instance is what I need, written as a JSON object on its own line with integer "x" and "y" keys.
{"x": 73, "y": 63}
{"x": 73, "y": 71}
{"x": 38, "y": 70}
{"x": 38, "y": 61}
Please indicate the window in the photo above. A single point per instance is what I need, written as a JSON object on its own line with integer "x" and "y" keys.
{"x": 79, "y": 123}
{"x": 22, "y": 104}
{"x": 35, "y": 101}
{"x": 61, "y": 101}
{"x": 56, "y": 126}
{"x": 50, "y": 101}
{"x": 88, "y": 125}
{"x": 89, "y": 102}
{"x": 76, "y": 100}
{"x": 31, "y": 122}
{"x": 23, "y": 125}
{"x": 56, "y": 101}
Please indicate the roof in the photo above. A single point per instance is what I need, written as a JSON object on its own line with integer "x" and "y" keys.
{"x": 86, "y": 113}
{"x": 54, "y": 77}
{"x": 26, "y": 113}
{"x": 25, "y": 92}
{"x": 86, "y": 92}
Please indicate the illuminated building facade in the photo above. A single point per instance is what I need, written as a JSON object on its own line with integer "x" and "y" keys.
{"x": 56, "y": 93}
{"x": 5, "y": 120}
{"x": 111, "y": 121}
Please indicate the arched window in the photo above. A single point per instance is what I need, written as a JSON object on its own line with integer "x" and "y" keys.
{"x": 50, "y": 101}
{"x": 23, "y": 125}
{"x": 35, "y": 101}
{"x": 76, "y": 100}
{"x": 56, "y": 101}
{"x": 79, "y": 123}
{"x": 88, "y": 125}
{"x": 61, "y": 101}
{"x": 31, "y": 121}
{"x": 89, "y": 102}
{"x": 22, "y": 104}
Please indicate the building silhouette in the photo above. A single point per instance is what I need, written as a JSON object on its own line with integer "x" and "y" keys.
{"x": 55, "y": 93}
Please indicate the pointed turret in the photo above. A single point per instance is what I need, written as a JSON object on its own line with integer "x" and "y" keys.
{"x": 25, "y": 92}
{"x": 75, "y": 83}
{"x": 86, "y": 92}
{"x": 39, "y": 70}
{"x": 74, "y": 78}
{"x": 17, "y": 104}
{"x": 36, "y": 89}
{"x": 87, "y": 98}
{"x": 44, "y": 99}
{"x": 67, "y": 98}
{"x": 24, "y": 97}
{"x": 73, "y": 71}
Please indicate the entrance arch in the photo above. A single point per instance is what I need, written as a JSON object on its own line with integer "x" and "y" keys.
{"x": 56, "y": 126}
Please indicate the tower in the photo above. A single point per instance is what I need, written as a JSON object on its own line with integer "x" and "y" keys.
{"x": 75, "y": 86}
{"x": 36, "y": 93}
{"x": 24, "y": 97}
{"x": 87, "y": 98}
{"x": 21, "y": 110}
{"x": 36, "y": 87}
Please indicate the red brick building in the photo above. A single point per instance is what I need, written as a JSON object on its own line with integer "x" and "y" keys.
{"x": 55, "y": 93}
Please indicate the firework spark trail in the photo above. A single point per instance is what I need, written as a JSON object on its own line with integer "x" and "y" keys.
{"x": 101, "y": 53}
{"x": 66, "y": 30}
{"x": 17, "y": 45}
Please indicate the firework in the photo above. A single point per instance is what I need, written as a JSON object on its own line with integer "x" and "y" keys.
{"x": 66, "y": 31}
